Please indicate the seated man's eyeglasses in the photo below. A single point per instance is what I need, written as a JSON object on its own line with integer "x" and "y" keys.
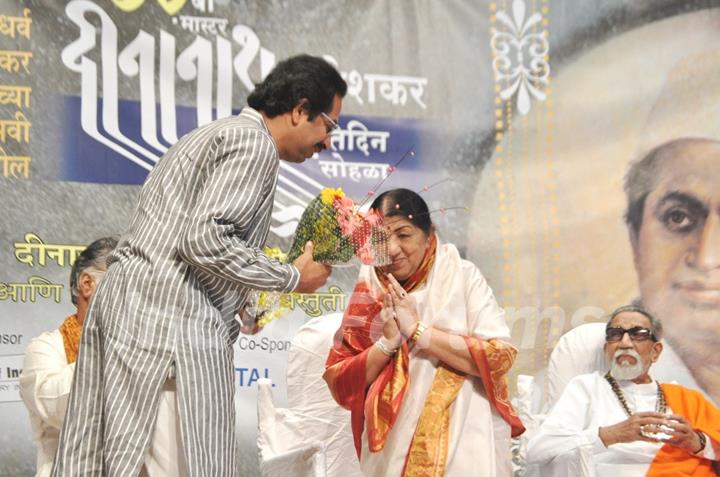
{"x": 637, "y": 333}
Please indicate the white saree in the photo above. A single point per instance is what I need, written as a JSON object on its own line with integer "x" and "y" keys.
{"x": 457, "y": 299}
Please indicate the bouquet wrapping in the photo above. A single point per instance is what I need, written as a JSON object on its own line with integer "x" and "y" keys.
{"x": 339, "y": 232}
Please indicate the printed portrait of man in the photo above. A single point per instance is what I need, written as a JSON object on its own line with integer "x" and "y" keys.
{"x": 609, "y": 192}
{"x": 673, "y": 216}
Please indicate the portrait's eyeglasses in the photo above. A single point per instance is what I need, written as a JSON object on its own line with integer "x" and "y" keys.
{"x": 330, "y": 124}
{"x": 637, "y": 333}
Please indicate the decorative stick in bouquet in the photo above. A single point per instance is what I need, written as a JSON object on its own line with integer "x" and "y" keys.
{"x": 339, "y": 231}
{"x": 409, "y": 153}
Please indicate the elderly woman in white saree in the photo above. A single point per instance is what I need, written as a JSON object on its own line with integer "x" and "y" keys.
{"x": 422, "y": 356}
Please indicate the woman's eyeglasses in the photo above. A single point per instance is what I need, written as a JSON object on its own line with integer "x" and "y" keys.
{"x": 637, "y": 333}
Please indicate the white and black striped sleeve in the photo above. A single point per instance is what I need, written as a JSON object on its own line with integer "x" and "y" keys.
{"x": 239, "y": 185}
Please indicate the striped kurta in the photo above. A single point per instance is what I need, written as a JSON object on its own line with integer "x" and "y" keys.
{"x": 173, "y": 287}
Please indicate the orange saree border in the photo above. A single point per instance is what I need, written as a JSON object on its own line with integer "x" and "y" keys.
{"x": 346, "y": 362}
{"x": 494, "y": 358}
{"x": 384, "y": 398}
{"x": 428, "y": 451}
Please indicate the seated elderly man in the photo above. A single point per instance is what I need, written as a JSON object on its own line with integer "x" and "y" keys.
{"x": 623, "y": 423}
{"x": 49, "y": 367}
{"x": 49, "y": 362}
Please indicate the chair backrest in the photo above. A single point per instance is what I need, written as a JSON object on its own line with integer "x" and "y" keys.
{"x": 313, "y": 434}
{"x": 309, "y": 396}
{"x": 284, "y": 447}
{"x": 579, "y": 351}
{"x": 306, "y": 363}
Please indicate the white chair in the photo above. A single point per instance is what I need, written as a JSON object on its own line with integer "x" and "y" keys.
{"x": 309, "y": 395}
{"x": 579, "y": 351}
{"x": 313, "y": 435}
{"x": 282, "y": 442}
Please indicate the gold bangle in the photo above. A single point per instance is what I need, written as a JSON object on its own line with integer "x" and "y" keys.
{"x": 421, "y": 327}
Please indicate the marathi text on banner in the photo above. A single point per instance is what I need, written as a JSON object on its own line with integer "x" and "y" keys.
{"x": 29, "y": 291}
{"x": 33, "y": 250}
{"x": 14, "y": 94}
{"x": 10, "y": 26}
{"x": 11, "y": 61}
{"x": 17, "y": 129}
{"x": 15, "y": 166}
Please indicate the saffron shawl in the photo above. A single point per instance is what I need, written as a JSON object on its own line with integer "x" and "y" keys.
{"x": 71, "y": 330}
{"x": 672, "y": 461}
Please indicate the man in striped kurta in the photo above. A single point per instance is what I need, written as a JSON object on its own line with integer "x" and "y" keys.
{"x": 182, "y": 271}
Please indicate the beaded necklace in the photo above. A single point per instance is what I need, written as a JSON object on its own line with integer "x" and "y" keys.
{"x": 660, "y": 405}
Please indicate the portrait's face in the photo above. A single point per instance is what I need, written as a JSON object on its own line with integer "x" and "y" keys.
{"x": 629, "y": 352}
{"x": 677, "y": 248}
{"x": 406, "y": 246}
{"x": 311, "y": 135}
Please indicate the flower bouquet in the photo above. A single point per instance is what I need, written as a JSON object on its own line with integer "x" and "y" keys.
{"x": 339, "y": 232}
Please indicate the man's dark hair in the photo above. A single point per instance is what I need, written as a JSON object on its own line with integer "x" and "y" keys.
{"x": 93, "y": 258}
{"x": 642, "y": 177}
{"x": 299, "y": 77}
{"x": 405, "y": 203}
{"x": 656, "y": 328}
{"x": 639, "y": 182}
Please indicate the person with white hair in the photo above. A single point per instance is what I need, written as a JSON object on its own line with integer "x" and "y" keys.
{"x": 623, "y": 422}
{"x": 49, "y": 367}
{"x": 49, "y": 363}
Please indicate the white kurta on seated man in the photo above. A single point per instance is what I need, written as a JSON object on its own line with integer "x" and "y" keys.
{"x": 623, "y": 423}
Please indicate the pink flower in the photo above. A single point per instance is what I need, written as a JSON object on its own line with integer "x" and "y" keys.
{"x": 373, "y": 218}
{"x": 346, "y": 223}
{"x": 344, "y": 203}
{"x": 346, "y": 217}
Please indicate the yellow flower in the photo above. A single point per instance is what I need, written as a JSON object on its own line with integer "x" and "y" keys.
{"x": 276, "y": 253}
{"x": 273, "y": 306}
{"x": 328, "y": 195}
